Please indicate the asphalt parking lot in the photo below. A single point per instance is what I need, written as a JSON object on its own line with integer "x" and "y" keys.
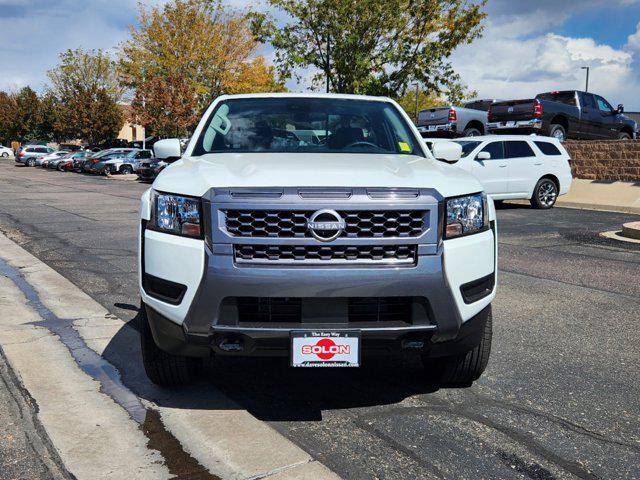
{"x": 560, "y": 398}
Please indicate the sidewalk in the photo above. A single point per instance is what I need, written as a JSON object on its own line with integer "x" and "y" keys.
{"x": 601, "y": 195}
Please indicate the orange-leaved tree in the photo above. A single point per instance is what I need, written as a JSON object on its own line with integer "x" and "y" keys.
{"x": 184, "y": 54}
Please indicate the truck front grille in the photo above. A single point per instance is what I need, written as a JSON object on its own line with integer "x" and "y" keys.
{"x": 358, "y": 309}
{"x": 388, "y": 254}
{"x": 293, "y": 224}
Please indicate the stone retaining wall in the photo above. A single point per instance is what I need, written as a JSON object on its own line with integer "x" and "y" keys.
{"x": 605, "y": 160}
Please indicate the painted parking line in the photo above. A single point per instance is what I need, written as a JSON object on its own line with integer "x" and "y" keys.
{"x": 53, "y": 336}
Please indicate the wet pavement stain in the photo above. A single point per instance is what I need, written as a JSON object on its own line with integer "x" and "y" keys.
{"x": 177, "y": 460}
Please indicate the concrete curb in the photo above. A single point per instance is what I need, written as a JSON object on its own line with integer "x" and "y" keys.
{"x": 615, "y": 235}
{"x": 631, "y": 230}
{"x": 89, "y": 414}
{"x": 123, "y": 178}
{"x": 600, "y": 207}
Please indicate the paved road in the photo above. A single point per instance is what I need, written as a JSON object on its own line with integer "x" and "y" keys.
{"x": 560, "y": 398}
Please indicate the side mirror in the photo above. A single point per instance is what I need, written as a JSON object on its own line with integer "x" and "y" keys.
{"x": 483, "y": 156}
{"x": 620, "y": 109}
{"x": 449, "y": 152}
{"x": 167, "y": 149}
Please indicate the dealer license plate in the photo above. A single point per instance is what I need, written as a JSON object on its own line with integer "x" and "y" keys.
{"x": 325, "y": 349}
{"x": 510, "y": 124}
{"x": 433, "y": 128}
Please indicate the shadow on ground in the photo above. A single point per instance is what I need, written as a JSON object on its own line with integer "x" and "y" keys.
{"x": 268, "y": 388}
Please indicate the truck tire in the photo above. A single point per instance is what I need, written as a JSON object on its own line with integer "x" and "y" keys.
{"x": 624, "y": 136}
{"x": 558, "y": 132}
{"x": 465, "y": 368}
{"x": 545, "y": 194}
{"x": 471, "y": 132}
{"x": 162, "y": 368}
{"x": 126, "y": 169}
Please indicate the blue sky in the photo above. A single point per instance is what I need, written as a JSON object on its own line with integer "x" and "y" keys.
{"x": 528, "y": 46}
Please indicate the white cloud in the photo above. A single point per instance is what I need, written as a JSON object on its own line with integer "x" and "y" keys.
{"x": 504, "y": 64}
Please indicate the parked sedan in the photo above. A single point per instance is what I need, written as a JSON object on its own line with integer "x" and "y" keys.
{"x": 90, "y": 163}
{"x": 77, "y": 159}
{"x": 5, "y": 152}
{"x": 52, "y": 156}
{"x": 54, "y": 162}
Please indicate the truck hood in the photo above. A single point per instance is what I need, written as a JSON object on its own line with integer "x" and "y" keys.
{"x": 196, "y": 175}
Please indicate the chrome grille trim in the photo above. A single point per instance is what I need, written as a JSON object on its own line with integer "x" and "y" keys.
{"x": 326, "y": 254}
{"x": 293, "y": 224}
{"x": 303, "y": 200}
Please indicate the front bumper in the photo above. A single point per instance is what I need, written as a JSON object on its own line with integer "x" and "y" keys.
{"x": 172, "y": 338}
{"x": 209, "y": 278}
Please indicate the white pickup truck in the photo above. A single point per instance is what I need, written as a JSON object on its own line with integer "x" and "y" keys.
{"x": 452, "y": 121}
{"x": 263, "y": 241}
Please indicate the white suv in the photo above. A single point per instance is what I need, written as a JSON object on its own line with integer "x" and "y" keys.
{"x": 512, "y": 167}
{"x": 262, "y": 241}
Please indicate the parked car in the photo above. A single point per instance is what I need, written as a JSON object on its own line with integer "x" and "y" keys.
{"x": 93, "y": 158}
{"x": 533, "y": 168}
{"x": 53, "y": 163}
{"x": 29, "y": 153}
{"x": 319, "y": 253}
{"x": 5, "y": 152}
{"x": 51, "y": 156}
{"x": 125, "y": 163}
{"x": 149, "y": 169}
{"x": 562, "y": 115}
{"x": 452, "y": 121}
{"x": 76, "y": 159}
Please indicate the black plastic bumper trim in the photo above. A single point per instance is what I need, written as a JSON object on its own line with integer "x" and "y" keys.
{"x": 478, "y": 289}
{"x": 164, "y": 290}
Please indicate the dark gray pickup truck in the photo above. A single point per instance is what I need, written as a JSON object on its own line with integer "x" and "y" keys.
{"x": 566, "y": 114}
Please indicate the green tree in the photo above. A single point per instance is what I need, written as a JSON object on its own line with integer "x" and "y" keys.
{"x": 24, "y": 115}
{"x": 371, "y": 46}
{"x": 85, "y": 70}
{"x": 91, "y": 114}
{"x": 85, "y": 91}
{"x": 195, "y": 49}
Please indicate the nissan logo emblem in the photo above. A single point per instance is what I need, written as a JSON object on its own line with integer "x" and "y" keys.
{"x": 326, "y": 225}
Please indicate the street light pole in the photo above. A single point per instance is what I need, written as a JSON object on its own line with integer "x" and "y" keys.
{"x": 586, "y": 88}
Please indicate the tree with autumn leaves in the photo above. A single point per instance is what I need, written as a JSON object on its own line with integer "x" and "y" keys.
{"x": 183, "y": 55}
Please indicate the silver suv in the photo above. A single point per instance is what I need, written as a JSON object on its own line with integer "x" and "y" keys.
{"x": 29, "y": 153}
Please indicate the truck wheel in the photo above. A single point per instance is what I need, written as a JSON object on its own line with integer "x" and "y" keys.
{"x": 465, "y": 368}
{"x": 162, "y": 368}
{"x": 624, "y": 136}
{"x": 471, "y": 132}
{"x": 558, "y": 132}
{"x": 126, "y": 169}
{"x": 545, "y": 194}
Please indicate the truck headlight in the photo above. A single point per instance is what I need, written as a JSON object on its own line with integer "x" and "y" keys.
{"x": 176, "y": 214}
{"x": 466, "y": 215}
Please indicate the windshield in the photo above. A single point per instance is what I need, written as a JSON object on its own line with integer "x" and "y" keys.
{"x": 305, "y": 125}
{"x": 468, "y": 146}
